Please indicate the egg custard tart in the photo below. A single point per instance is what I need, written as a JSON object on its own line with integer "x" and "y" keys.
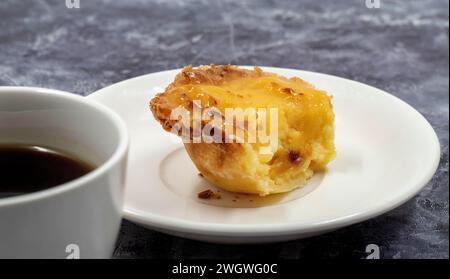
{"x": 267, "y": 133}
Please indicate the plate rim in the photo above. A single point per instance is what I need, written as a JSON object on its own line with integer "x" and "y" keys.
{"x": 163, "y": 222}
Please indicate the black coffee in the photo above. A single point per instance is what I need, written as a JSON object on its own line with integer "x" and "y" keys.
{"x": 25, "y": 169}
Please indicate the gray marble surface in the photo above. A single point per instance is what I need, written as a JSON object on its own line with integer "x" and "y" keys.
{"x": 402, "y": 47}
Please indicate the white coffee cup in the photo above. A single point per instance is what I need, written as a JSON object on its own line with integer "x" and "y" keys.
{"x": 80, "y": 218}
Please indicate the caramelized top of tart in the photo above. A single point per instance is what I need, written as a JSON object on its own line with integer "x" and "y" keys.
{"x": 227, "y": 86}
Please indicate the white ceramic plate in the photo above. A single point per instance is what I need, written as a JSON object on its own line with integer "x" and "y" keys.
{"x": 386, "y": 153}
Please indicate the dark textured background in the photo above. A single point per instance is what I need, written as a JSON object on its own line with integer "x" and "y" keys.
{"x": 402, "y": 47}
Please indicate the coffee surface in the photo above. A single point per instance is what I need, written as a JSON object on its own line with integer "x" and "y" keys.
{"x": 26, "y": 169}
